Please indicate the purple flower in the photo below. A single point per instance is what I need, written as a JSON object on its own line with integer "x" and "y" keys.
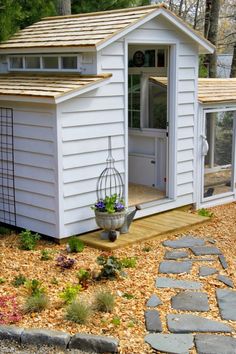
{"x": 119, "y": 206}
{"x": 100, "y": 205}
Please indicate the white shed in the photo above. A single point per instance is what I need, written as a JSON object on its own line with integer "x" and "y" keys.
{"x": 73, "y": 81}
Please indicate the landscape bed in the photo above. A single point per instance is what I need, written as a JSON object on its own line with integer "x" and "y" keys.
{"x": 131, "y": 290}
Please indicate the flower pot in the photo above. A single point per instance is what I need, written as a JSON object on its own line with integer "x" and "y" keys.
{"x": 109, "y": 221}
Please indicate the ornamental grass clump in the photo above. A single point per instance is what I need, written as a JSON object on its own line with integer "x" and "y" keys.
{"x": 104, "y": 301}
{"x": 112, "y": 204}
{"x": 79, "y": 311}
{"x": 37, "y": 299}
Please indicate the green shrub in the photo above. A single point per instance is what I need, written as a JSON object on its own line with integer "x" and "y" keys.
{"x": 84, "y": 276}
{"x": 111, "y": 266}
{"x": 2, "y": 280}
{"x": 28, "y": 240}
{"x": 116, "y": 321}
{"x": 19, "y": 280}
{"x": 75, "y": 244}
{"x": 205, "y": 212}
{"x": 46, "y": 255}
{"x": 129, "y": 262}
{"x": 34, "y": 287}
{"x": 36, "y": 303}
{"x": 78, "y": 311}
{"x": 70, "y": 292}
{"x": 104, "y": 301}
{"x": 4, "y": 230}
{"x": 54, "y": 281}
{"x": 128, "y": 296}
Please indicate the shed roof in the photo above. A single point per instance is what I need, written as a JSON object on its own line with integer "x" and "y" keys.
{"x": 211, "y": 90}
{"x": 92, "y": 29}
{"x": 47, "y": 86}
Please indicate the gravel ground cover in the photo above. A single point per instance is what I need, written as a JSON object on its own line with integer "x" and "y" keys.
{"x": 126, "y": 322}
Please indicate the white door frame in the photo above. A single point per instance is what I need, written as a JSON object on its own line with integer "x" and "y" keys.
{"x": 224, "y": 197}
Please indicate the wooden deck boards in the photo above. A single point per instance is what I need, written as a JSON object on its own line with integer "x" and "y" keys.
{"x": 145, "y": 229}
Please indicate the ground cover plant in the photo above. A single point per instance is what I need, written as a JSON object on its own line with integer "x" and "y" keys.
{"x": 126, "y": 321}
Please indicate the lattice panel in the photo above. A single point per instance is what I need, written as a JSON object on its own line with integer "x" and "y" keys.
{"x": 7, "y": 184}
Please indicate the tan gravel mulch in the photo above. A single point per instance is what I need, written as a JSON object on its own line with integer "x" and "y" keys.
{"x": 139, "y": 282}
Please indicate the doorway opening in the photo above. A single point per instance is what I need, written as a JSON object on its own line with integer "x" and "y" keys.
{"x": 148, "y": 123}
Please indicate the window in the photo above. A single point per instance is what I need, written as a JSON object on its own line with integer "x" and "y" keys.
{"x": 69, "y": 62}
{"x": 148, "y": 58}
{"x": 50, "y": 62}
{"x": 161, "y": 58}
{"x": 134, "y": 87}
{"x": 157, "y": 106}
{"x": 16, "y": 62}
{"x": 32, "y": 62}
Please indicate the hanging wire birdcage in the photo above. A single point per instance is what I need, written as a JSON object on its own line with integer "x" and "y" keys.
{"x": 110, "y": 181}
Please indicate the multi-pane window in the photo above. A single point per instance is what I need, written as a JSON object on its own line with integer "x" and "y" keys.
{"x": 134, "y": 110}
{"x": 44, "y": 62}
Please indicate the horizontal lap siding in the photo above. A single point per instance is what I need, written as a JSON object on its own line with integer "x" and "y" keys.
{"x": 35, "y": 168}
{"x": 86, "y": 124}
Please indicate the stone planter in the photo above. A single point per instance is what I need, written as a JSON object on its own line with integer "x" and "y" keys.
{"x": 109, "y": 221}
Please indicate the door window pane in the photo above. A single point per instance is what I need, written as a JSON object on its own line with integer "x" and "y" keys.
{"x": 218, "y": 176}
{"x": 32, "y": 62}
{"x": 161, "y": 62}
{"x": 69, "y": 62}
{"x": 50, "y": 62}
{"x": 157, "y": 106}
{"x": 134, "y": 83}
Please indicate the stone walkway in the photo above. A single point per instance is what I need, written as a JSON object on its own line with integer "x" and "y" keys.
{"x": 185, "y": 329}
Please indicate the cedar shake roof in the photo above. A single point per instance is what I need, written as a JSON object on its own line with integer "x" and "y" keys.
{"x": 210, "y": 90}
{"x": 46, "y": 86}
{"x": 89, "y": 30}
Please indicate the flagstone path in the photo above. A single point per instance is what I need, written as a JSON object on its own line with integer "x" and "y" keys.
{"x": 185, "y": 329}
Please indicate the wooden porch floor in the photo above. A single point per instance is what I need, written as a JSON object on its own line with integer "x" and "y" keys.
{"x": 145, "y": 229}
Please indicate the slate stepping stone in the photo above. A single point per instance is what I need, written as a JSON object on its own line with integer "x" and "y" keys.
{"x": 175, "y": 254}
{"x": 192, "y": 323}
{"x": 184, "y": 242}
{"x": 223, "y": 261}
{"x": 204, "y": 250}
{"x": 227, "y": 303}
{"x": 170, "y": 343}
{"x": 154, "y": 301}
{"x": 162, "y": 282}
{"x": 174, "y": 267}
{"x": 226, "y": 280}
{"x": 152, "y": 321}
{"x": 205, "y": 271}
{"x": 215, "y": 344}
{"x": 190, "y": 301}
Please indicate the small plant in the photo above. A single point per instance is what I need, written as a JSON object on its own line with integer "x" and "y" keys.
{"x": 4, "y": 230}
{"x": 129, "y": 262}
{"x": 116, "y": 321}
{"x": 146, "y": 249}
{"x": 65, "y": 262}
{"x": 28, "y": 240}
{"x": 111, "y": 266}
{"x": 78, "y": 311}
{"x": 112, "y": 204}
{"x": 75, "y": 245}
{"x": 70, "y": 292}
{"x": 19, "y": 280}
{"x": 104, "y": 301}
{"x": 54, "y": 281}
{"x": 128, "y": 296}
{"x": 84, "y": 276}
{"x": 9, "y": 310}
{"x": 36, "y": 303}
{"x": 34, "y": 287}
{"x": 2, "y": 280}
{"x": 205, "y": 212}
{"x": 46, "y": 255}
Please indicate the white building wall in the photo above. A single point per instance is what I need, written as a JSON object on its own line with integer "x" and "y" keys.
{"x": 35, "y": 164}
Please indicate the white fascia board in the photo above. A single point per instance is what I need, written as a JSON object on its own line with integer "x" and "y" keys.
{"x": 80, "y": 91}
{"x": 204, "y": 45}
{"x": 31, "y": 99}
{"x": 47, "y": 50}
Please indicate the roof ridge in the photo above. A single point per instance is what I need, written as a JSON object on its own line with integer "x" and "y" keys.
{"x": 126, "y": 9}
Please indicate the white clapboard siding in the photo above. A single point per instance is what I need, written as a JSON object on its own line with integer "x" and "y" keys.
{"x": 35, "y": 167}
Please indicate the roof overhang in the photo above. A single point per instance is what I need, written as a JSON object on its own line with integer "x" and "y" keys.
{"x": 205, "y": 47}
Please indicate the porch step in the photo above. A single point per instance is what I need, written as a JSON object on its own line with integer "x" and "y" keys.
{"x": 147, "y": 228}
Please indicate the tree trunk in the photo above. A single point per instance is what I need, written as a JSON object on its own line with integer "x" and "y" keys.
{"x": 207, "y": 17}
{"x": 233, "y": 65}
{"x": 64, "y": 7}
{"x": 211, "y": 28}
{"x": 196, "y": 15}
